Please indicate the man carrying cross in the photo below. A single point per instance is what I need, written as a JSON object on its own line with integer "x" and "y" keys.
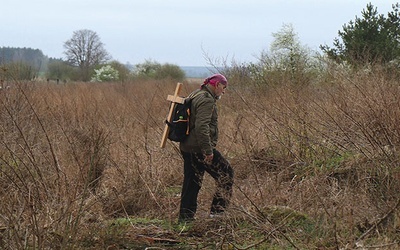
{"x": 200, "y": 154}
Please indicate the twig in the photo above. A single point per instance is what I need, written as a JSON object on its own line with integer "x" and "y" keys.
{"x": 255, "y": 244}
{"x": 266, "y": 218}
{"x": 383, "y": 245}
{"x": 374, "y": 225}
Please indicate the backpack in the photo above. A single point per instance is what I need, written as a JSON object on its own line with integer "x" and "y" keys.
{"x": 179, "y": 124}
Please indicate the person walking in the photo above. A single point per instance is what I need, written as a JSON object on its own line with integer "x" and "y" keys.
{"x": 200, "y": 154}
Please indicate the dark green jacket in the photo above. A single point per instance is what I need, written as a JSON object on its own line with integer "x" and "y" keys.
{"x": 203, "y": 122}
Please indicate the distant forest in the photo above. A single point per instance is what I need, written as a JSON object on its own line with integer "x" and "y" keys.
{"x": 33, "y": 63}
{"x": 31, "y": 57}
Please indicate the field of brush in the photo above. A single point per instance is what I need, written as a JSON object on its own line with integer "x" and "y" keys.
{"x": 316, "y": 166}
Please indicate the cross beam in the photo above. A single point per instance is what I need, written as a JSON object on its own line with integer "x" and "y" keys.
{"x": 174, "y": 99}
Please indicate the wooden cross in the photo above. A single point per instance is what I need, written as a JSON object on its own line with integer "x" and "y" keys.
{"x": 174, "y": 99}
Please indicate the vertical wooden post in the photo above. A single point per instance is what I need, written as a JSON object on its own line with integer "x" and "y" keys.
{"x": 171, "y": 109}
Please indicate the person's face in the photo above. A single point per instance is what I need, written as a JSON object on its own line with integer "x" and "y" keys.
{"x": 220, "y": 89}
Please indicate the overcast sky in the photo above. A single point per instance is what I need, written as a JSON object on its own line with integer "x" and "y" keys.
{"x": 181, "y": 32}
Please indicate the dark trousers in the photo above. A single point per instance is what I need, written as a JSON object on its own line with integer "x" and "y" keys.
{"x": 194, "y": 168}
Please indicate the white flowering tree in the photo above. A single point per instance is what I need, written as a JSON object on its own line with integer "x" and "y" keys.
{"x": 105, "y": 74}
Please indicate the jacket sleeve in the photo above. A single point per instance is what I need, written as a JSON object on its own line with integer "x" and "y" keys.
{"x": 204, "y": 110}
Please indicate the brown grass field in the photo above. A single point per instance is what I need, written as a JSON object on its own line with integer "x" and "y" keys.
{"x": 316, "y": 166}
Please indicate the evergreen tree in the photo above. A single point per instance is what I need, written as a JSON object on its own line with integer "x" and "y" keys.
{"x": 369, "y": 39}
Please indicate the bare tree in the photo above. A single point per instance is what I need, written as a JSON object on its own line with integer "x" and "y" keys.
{"x": 85, "y": 50}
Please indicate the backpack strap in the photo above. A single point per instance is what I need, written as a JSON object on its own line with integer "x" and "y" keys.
{"x": 194, "y": 94}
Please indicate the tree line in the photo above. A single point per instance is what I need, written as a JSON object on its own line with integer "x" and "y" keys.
{"x": 85, "y": 60}
{"x": 370, "y": 39}
{"x": 24, "y": 63}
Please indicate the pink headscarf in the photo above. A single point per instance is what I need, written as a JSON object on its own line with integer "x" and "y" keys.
{"x": 214, "y": 79}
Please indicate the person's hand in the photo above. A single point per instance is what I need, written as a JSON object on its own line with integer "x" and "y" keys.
{"x": 208, "y": 159}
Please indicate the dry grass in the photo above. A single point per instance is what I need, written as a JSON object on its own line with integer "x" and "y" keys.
{"x": 316, "y": 166}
